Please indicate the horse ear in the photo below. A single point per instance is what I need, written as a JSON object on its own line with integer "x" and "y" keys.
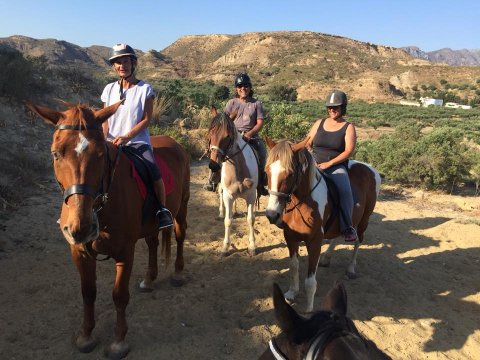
{"x": 213, "y": 111}
{"x": 103, "y": 114}
{"x": 233, "y": 115}
{"x": 287, "y": 317}
{"x": 300, "y": 145}
{"x": 270, "y": 143}
{"x": 47, "y": 114}
{"x": 336, "y": 299}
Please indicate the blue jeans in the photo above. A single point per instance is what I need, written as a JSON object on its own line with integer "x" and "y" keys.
{"x": 339, "y": 175}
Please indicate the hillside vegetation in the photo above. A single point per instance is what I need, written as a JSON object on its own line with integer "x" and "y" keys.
{"x": 435, "y": 148}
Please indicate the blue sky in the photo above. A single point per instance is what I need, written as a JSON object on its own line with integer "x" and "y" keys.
{"x": 155, "y": 24}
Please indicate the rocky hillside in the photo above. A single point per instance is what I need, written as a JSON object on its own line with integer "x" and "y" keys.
{"x": 447, "y": 56}
{"x": 313, "y": 63}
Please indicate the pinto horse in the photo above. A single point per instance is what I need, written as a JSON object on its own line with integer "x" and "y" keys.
{"x": 328, "y": 334}
{"x": 234, "y": 159}
{"x": 300, "y": 204}
{"x": 102, "y": 209}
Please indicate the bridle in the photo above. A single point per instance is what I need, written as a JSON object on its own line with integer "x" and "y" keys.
{"x": 224, "y": 154}
{"x": 288, "y": 195}
{"x": 100, "y": 197}
{"x": 336, "y": 326}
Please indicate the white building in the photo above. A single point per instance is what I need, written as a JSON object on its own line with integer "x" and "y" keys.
{"x": 426, "y": 102}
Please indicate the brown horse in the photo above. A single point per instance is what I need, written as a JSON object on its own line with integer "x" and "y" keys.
{"x": 102, "y": 209}
{"x": 328, "y": 334}
{"x": 231, "y": 156}
{"x": 299, "y": 203}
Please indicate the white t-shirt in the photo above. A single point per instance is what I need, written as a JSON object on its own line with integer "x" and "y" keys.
{"x": 130, "y": 112}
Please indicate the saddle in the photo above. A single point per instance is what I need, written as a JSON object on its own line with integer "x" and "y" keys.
{"x": 141, "y": 172}
{"x": 261, "y": 172}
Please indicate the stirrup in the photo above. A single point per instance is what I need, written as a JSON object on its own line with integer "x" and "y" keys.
{"x": 210, "y": 187}
{"x": 350, "y": 234}
{"x": 165, "y": 218}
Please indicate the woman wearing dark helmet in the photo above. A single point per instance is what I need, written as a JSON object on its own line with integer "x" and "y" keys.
{"x": 248, "y": 120}
{"x": 333, "y": 141}
{"x": 129, "y": 125}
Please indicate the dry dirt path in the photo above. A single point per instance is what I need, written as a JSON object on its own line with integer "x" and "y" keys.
{"x": 417, "y": 296}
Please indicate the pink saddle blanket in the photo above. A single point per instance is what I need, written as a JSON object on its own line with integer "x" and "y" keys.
{"x": 167, "y": 177}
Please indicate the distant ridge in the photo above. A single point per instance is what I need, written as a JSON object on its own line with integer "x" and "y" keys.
{"x": 312, "y": 63}
{"x": 447, "y": 56}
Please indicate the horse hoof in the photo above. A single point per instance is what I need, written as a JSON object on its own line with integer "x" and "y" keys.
{"x": 118, "y": 350}
{"x": 85, "y": 344}
{"x": 252, "y": 252}
{"x": 176, "y": 281}
{"x": 350, "y": 275}
{"x": 225, "y": 253}
{"x": 144, "y": 288}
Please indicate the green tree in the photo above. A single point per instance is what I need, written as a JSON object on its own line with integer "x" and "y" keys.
{"x": 282, "y": 93}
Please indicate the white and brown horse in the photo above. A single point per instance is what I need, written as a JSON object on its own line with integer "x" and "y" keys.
{"x": 102, "y": 210}
{"x": 234, "y": 160}
{"x": 300, "y": 204}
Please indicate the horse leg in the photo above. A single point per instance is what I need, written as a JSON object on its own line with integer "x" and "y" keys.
{"x": 252, "y": 251}
{"x": 350, "y": 273}
{"x": 87, "y": 268}
{"x": 327, "y": 255}
{"x": 294, "y": 264}
{"x": 228, "y": 223}
{"x": 121, "y": 296}
{"x": 314, "y": 248}
{"x": 152, "y": 270}
{"x": 180, "y": 231}
{"x": 221, "y": 205}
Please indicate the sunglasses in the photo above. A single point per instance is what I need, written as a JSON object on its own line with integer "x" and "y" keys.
{"x": 336, "y": 108}
{"x": 245, "y": 86}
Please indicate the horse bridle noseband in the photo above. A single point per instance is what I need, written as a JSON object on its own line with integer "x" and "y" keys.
{"x": 336, "y": 326}
{"x": 224, "y": 153}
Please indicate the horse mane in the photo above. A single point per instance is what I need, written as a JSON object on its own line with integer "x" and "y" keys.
{"x": 223, "y": 122}
{"x": 282, "y": 152}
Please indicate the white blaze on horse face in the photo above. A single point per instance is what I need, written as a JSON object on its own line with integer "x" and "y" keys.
{"x": 82, "y": 144}
{"x": 275, "y": 170}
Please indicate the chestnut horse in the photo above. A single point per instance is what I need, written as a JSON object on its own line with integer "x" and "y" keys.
{"x": 328, "y": 334}
{"x": 231, "y": 156}
{"x": 102, "y": 209}
{"x": 299, "y": 203}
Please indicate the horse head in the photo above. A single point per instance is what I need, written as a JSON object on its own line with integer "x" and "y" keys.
{"x": 80, "y": 155}
{"x": 286, "y": 163}
{"x": 222, "y": 136}
{"x": 328, "y": 334}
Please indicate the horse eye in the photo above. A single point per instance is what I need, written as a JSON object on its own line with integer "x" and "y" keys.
{"x": 55, "y": 155}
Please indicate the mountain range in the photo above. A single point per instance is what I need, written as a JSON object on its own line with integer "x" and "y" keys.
{"x": 312, "y": 63}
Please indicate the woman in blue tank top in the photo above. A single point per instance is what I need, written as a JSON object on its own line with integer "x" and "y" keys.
{"x": 333, "y": 141}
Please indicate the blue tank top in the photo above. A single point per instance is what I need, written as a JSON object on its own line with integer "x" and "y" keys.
{"x": 328, "y": 145}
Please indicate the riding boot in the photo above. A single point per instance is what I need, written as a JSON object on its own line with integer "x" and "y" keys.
{"x": 262, "y": 184}
{"x": 165, "y": 217}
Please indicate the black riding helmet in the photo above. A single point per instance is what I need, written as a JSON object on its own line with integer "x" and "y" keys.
{"x": 242, "y": 79}
{"x": 337, "y": 98}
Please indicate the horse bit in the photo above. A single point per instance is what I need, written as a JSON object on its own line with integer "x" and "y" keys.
{"x": 100, "y": 197}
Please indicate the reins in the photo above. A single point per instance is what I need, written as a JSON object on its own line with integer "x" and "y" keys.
{"x": 100, "y": 197}
{"x": 328, "y": 331}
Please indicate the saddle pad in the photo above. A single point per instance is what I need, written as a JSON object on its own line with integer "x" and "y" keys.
{"x": 167, "y": 177}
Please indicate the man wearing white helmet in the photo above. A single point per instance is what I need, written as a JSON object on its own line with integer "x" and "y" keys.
{"x": 129, "y": 125}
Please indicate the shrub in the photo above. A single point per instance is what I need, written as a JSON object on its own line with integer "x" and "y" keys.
{"x": 282, "y": 93}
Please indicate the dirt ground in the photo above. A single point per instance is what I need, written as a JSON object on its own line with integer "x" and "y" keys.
{"x": 417, "y": 296}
